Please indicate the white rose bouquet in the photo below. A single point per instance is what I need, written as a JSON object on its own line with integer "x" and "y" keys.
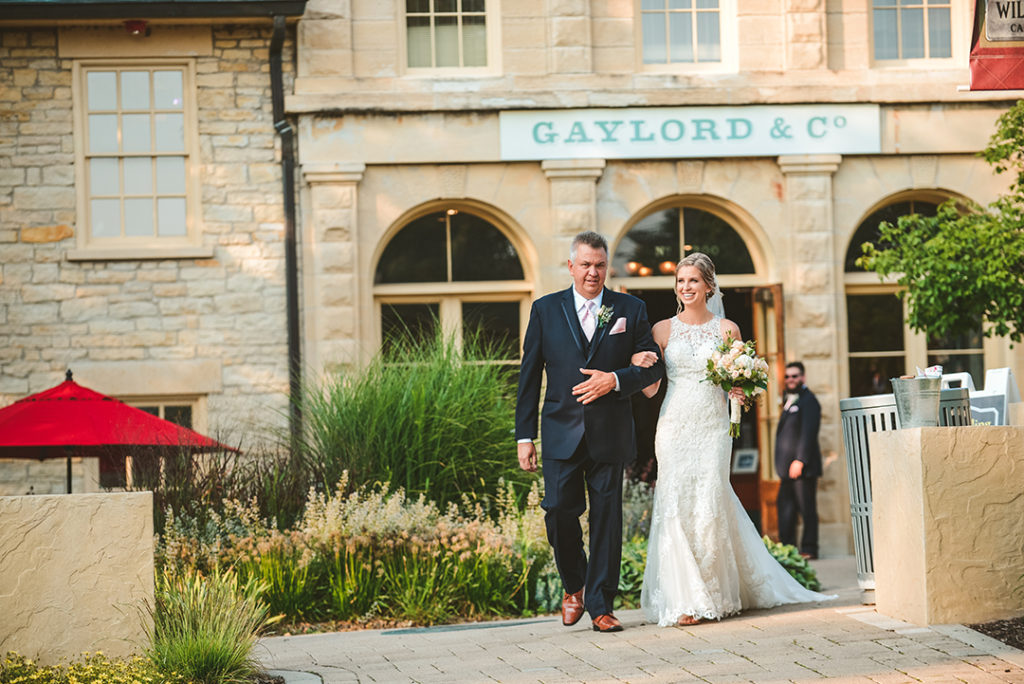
{"x": 735, "y": 363}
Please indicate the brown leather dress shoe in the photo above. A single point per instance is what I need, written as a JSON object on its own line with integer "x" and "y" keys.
{"x": 572, "y": 608}
{"x": 607, "y": 623}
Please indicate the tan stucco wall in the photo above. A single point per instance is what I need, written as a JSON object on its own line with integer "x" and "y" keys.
{"x": 948, "y": 520}
{"x": 75, "y": 571}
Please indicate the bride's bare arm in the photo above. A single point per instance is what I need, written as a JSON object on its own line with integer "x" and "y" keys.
{"x": 646, "y": 359}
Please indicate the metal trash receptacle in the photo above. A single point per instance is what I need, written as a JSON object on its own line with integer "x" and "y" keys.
{"x": 877, "y": 413}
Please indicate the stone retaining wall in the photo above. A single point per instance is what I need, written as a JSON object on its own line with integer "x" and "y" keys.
{"x": 76, "y": 572}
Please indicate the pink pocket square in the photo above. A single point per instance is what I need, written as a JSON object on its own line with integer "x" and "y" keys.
{"x": 619, "y": 327}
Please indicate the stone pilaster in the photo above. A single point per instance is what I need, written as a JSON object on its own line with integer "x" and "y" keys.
{"x": 814, "y": 284}
{"x": 330, "y": 283}
{"x": 573, "y": 199}
{"x": 805, "y": 34}
{"x": 571, "y": 44}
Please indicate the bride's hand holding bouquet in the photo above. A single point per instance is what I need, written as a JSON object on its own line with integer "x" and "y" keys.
{"x": 736, "y": 368}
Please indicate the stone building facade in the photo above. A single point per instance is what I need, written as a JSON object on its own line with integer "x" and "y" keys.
{"x": 194, "y": 326}
{"x": 429, "y": 186}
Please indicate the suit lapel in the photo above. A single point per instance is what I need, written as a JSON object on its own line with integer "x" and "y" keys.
{"x": 573, "y": 320}
{"x": 602, "y": 331}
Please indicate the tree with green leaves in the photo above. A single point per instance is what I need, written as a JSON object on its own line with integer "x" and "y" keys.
{"x": 966, "y": 263}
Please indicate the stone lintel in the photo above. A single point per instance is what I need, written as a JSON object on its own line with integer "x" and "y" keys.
{"x": 573, "y": 168}
{"x": 125, "y": 378}
{"x": 340, "y": 172}
{"x": 804, "y": 164}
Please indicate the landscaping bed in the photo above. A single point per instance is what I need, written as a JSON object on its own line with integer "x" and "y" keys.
{"x": 1010, "y": 632}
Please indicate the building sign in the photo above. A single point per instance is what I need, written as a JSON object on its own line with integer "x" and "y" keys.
{"x": 673, "y": 132}
{"x": 1004, "y": 19}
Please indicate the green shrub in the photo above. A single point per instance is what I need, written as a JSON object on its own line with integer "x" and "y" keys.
{"x": 796, "y": 565}
{"x": 205, "y": 627}
{"x": 356, "y": 580}
{"x": 431, "y": 419}
{"x": 291, "y": 585}
{"x": 631, "y": 574}
{"x": 93, "y": 668}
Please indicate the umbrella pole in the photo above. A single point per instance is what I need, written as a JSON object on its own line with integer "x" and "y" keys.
{"x": 69, "y": 474}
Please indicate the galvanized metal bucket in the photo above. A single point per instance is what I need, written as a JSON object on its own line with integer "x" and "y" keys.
{"x": 917, "y": 401}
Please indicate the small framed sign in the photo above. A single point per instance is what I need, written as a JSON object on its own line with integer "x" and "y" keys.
{"x": 744, "y": 461}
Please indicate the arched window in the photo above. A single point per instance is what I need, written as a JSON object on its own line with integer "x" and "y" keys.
{"x": 880, "y": 345}
{"x": 659, "y": 240}
{"x": 455, "y": 268}
{"x": 868, "y": 231}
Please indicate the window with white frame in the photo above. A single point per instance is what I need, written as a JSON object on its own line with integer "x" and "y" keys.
{"x": 912, "y": 29}
{"x": 137, "y": 151}
{"x": 446, "y": 34}
{"x": 681, "y": 31}
{"x": 456, "y": 269}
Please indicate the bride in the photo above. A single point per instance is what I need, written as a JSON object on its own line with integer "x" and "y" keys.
{"x": 705, "y": 558}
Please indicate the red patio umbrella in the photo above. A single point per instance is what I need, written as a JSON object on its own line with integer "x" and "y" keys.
{"x": 72, "y": 420}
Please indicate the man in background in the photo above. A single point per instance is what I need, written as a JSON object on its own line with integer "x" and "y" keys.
{"x": 798, "y": 461}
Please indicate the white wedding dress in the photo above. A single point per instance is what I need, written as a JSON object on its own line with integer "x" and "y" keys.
{"x": 705, "y": 558}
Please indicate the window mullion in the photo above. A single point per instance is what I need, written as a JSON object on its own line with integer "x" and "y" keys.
{"x": 668, "y": 36}
{"x": 458, "y": 29}
{"x": 693, "y": 33}
{"x": 448, "y": 244}
{"x": 433, "y": 37}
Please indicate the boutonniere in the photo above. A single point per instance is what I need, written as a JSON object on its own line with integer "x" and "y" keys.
{"x": 604, "y": 314}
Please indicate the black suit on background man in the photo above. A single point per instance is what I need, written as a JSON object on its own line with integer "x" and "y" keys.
{"x": 798, "y": 462}
{"x": 586, "y": 444}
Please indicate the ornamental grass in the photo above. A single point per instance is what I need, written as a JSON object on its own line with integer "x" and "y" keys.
{"x": 432, "y": 417}
{"x": 206, "y": 626}
{"x": 373, "y": 552}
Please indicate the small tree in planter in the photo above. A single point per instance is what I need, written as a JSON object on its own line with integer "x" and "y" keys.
{"x": 966, "y": 263}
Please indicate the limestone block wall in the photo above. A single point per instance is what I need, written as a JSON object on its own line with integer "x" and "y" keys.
{"x": 76, "y": 572}
{"x": 25, "y": 476}
{"x": 948, "y": 520}
{"x": 220, "y": 319}
{"x": 585, "y": 53}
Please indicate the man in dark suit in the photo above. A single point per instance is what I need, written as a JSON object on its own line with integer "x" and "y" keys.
{"x": 584, "y": 338}
{"x": 798, "y": 461}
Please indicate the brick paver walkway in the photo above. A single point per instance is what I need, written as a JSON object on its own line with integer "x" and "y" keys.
{"x": 843, "y": 641}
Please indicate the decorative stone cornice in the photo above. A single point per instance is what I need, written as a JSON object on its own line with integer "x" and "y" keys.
{"x": 573, "y": 168}
{"x": 339, "y": 172}
{"x": 794, "y": 164}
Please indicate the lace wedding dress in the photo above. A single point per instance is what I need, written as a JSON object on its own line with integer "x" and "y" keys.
{"x": 705, "y": 558}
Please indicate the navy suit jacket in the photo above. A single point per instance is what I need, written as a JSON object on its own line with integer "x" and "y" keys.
{"x": 796, "y": 438}
{"x": 555, "y": 344}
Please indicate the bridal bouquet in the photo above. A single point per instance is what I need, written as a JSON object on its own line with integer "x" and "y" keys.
{"x": 735, "y": 363}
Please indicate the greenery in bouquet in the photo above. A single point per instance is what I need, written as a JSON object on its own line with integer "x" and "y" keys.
{"x": 735, "y": 363}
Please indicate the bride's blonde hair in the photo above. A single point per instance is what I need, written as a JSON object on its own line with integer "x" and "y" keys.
{"x": 703, "y": 263}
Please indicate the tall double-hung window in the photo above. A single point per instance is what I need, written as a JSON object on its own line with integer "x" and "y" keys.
{"x": 912, "y": 29}
{"x": 681, "y": 31}
{"x": 446, "y": 34}
{"x": 137, "y": 155}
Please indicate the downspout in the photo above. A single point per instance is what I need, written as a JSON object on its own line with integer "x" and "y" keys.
{"x": 291, "y": 266}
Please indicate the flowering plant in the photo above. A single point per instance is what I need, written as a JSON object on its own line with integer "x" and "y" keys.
{"x": 735, "y": 363}
{"x": 604, "y": 314}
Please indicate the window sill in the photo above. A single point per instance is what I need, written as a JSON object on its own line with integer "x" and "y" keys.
{"x": 138, "y": 253}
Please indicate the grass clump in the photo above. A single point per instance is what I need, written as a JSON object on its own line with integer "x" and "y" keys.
{"x": 431, "y": 417}
{"x": 205, "y": 626}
